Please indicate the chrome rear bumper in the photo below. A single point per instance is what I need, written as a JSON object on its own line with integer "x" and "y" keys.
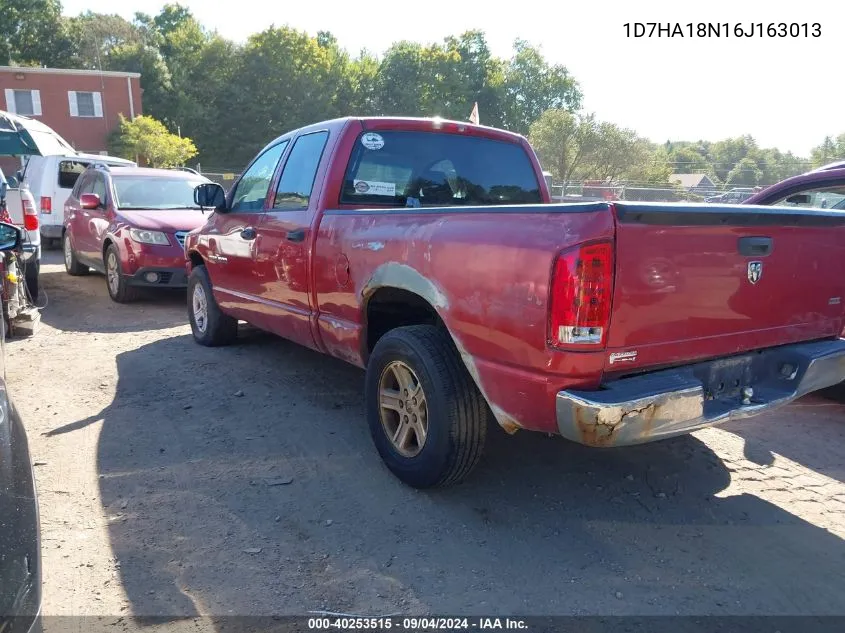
{"x": 677, "y": 401}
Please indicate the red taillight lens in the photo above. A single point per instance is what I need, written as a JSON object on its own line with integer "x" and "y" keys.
{"x": 582, "y": 289}
{"x": 30, "y": 218}
{"x": 46, "y": 204}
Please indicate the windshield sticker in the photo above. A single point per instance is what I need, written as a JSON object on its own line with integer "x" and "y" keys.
{"x": 374, "y": 188}
{"x": 371, "y": 140}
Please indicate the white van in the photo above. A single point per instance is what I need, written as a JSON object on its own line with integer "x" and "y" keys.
{"x": 50, "y": 179}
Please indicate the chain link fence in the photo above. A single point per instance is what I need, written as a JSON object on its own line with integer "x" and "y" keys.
{"x": 647, "y": 192}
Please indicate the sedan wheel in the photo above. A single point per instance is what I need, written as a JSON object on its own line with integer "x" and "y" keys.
{"x": 113, "y": 273}
{"x": 72, "y": 266}
{"x": 117, "y": 284}
{"x": 200, "y": 307}
{"x": 68, "y": 253}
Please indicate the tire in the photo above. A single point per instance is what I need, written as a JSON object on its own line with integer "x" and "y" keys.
{"x": 31, "y": 278}
{"x": 455, "y": 412}
{"x": 209, "y": 324}
{"x": 72, "y": 265}
{"x": 116, "y": 283}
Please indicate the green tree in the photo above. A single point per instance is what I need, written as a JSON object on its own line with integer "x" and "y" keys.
{"x": 148, "y": 139}
{"x": 284, "y": 80}
{"x": 155, "y": 76}
{"x": 532, "y": 86}
{"x": 688, "y": 159}
{"x": 830, "y": 149}
{"x": 746, "y": 172}
{"x": 615, "y": 152}
{"x": 33, "y": 33}
{"x": 564, "y": 142}
{"x": 99, "y": 35}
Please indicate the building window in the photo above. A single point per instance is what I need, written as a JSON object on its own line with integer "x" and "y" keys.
{"x": 85, "y": 104}
{"x": 23, "y": 102}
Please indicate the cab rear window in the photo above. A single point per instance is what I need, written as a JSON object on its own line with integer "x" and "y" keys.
{"x": 424, "y": 169}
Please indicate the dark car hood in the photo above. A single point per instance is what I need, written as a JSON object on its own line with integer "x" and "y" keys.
{"x": 165, "y": 220}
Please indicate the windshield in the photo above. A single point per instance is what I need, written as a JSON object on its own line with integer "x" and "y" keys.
{"x": 413, "y": 169}
{"x": 145, "y": 192}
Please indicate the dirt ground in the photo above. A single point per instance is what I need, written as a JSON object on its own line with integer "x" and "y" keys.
{"x": 177, "y": 480}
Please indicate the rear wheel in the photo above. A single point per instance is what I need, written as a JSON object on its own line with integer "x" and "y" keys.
{"x": 427, "y": 418}
{"x": 117, "y": 284}
{"x": 209, "y": 324}
{"x": 72, "y": 265}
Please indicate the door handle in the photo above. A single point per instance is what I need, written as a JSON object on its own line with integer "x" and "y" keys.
{"x": 296, "y": 236}
{"x": 755, "y": 246}
{"x": 248, "y": 233}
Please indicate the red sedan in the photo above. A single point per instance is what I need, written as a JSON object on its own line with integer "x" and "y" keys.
{"x": 130, "y": 224}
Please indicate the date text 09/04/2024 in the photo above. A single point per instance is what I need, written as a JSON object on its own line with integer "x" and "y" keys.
{"x": 415, "y": 623}
{"x": 723, "y": 29}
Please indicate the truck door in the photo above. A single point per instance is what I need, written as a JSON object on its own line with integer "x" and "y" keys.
{"x": 285, "y": 241}
{"x": 232, "y": 245}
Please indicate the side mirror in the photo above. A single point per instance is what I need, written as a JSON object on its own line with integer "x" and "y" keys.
{"x": 19, "y": 175}
{"x": 13, "y": 182}
{"x": 799, "y": 198}
{"x": 89, "y": 201}
{"x": 10, "y": 237}
{"x": 210, "y": 194}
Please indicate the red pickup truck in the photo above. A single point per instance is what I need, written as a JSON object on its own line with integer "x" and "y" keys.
{"x": 428, "y": 252}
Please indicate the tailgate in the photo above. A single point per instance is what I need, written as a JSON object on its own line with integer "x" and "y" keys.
{"x": 702, "y": 281}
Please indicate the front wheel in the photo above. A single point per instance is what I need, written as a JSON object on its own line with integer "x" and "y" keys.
{"x": 426, "y": 416}
{"x": 118, "y": 285}
{"x": 209, "y": 324}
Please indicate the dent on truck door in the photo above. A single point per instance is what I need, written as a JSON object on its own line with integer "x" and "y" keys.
{"x": 284, "y": 239}
{"x": 233, "y": 240}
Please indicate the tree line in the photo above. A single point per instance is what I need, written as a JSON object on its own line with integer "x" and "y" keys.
{"x": 231, "y": 98}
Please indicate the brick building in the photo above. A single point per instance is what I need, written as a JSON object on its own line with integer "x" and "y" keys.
{"x": 82, "y": 106}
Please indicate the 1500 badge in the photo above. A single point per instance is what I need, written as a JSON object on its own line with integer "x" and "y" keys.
{"x": 623, "y": 357}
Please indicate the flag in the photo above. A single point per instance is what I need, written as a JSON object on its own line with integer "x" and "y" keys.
{"x": 473, "y": 117}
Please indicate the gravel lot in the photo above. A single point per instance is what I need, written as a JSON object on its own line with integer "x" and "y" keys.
{"x": 176, "y": 480}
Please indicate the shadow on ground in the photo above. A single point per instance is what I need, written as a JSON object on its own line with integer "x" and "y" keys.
{"x": 795, "y": 435}
{"x": 242, "y": 480}
{"x": 82, "y": 304}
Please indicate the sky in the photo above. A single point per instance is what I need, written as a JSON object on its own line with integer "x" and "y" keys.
{"x": 787, "y": 92}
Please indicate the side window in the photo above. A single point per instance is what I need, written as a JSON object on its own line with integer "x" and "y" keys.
{"x": 69, "y": 172}
{"x": 251, "y": 190}
{"x": 297, "y": 181}
{"x": 99, "y": 187}
{"x": 86, "y": 185}
{"x": 821, "y": 197}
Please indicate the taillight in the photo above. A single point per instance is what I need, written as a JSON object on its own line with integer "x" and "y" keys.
{"x": 30, "y": 217}
{"x": 582, "y": 289}
{"x": 46, "y": 204}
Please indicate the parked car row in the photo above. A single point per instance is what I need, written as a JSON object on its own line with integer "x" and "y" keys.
{"x": 130, "y": 224}
{"x": 428, "y": 253}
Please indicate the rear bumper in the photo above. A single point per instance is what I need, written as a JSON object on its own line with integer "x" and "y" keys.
{"x": 51, "y": 231}
{"x": 677, "y": 401}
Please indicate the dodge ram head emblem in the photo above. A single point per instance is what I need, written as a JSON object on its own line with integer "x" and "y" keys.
{"x": 755, "y": 271}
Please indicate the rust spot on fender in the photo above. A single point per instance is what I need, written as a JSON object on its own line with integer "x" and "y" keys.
{"x": 396, "y": 275}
